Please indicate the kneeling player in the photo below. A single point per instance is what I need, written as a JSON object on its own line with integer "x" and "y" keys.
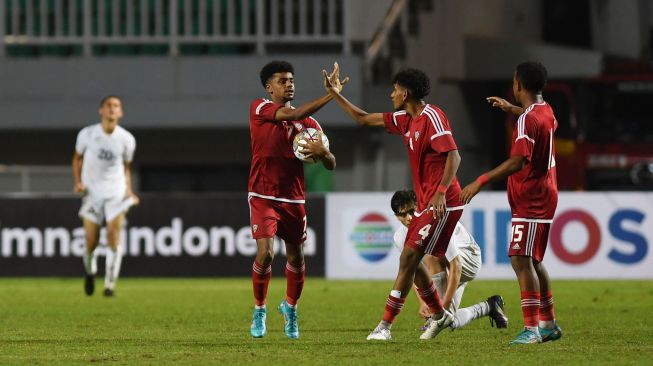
{"x": 462, "y": 261}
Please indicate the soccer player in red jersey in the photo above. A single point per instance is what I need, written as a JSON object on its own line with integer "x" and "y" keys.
{"x": 533, "y": 197}
{"x": 434, "y": 160}
{"x": 276, "y": 187}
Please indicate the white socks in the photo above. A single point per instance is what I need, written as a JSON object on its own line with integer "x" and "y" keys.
{"x": 113, "y": 262}
{"x": 90, "y": 263}
{"x": 465, "y": 316}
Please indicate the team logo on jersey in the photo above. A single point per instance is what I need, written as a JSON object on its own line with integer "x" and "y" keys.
{"x": 516, "y": 246}
{"x": 254, "y": 227}
{"x": 416, "y": 135}
{"x": 298, "y": 126}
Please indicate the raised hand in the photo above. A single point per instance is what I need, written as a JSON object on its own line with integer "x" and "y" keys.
{"x": 332, "y": 82}
{"x": 499, "y": 102}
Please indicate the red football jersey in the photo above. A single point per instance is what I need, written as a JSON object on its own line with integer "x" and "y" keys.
{"x": 533, "y": 191}
{"x": 275, "y": 172}
{"x": 428, "y": 138}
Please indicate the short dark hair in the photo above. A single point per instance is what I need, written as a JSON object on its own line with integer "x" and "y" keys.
{"x": 532, "y": 76}
{"x": 274, "y": 67}
{"x": 416, "y": 81}
{"x": 106, "y": 98}
{"x": 402, "y": 198}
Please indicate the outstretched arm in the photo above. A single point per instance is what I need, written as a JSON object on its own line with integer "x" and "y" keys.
{"x": 356, "y": 113}
{"x": 303, "y": 111}
{"x": 308, "y": 109}
{"x": 508, "y": 167}
{"x": 504, "y": 105}
{"x": 455, "y": 271}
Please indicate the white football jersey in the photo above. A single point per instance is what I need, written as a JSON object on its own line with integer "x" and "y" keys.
{"x": 462, "y": 245}
{"x": 103, "y": 170}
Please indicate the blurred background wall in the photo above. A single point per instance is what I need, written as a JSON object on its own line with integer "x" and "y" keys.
{"x": 188, "y": 69}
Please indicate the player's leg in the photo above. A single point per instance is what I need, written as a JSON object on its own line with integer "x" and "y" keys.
{"x": 436, "y": 245}
{"x": 114, "y": 253}
{"x": 408, "y": 264}
{"x": 292, "y": 229}
{"x": 548, "y": 327}
{"x": 263, "y": 219}
{"x": 520, "y": 253}
{"x": 92, "y": 235}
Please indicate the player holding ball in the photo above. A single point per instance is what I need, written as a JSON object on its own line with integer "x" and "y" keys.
{"x": 276, "y": 187}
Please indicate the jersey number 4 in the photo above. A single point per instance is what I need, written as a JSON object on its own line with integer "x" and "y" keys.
{"x": 424, "y": 232}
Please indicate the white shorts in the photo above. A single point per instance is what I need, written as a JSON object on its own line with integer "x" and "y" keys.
{"x": 104, "y": 210}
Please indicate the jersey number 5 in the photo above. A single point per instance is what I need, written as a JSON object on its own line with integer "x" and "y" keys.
{"x": 517, "y": 233}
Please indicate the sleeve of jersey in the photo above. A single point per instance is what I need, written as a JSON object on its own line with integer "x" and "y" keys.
{"x": 312, "y": 123}
{"x": 395, "y": 122}
{"x": 524, "y": 142}
{"x": 130, "y": 149}
{"x": 80, "y": 144}
{"x": 266, "y": 110}
{"x": 441, "y": 138}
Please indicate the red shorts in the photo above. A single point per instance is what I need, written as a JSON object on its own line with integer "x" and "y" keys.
{"x": 529, "y": 238}
{"x": 431, "y": 236}
{"x": 283, "y": 219}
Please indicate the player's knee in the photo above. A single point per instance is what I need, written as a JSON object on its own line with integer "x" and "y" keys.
{"x": 520, "y": 263}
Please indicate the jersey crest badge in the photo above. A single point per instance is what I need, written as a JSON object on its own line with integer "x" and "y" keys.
{"x": 298, "y": 126}
{"x": 416, "y": 135}
{"x": 254, "y": 228}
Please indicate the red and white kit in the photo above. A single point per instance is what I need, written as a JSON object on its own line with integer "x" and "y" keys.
{"x": 428, "y": 139}
{"x": 533, "y": 191}
{"x": 276, "y": 177}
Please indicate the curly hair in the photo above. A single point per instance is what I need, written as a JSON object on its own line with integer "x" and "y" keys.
{"x": 274, "y": 67}
{"x": 416, "y": 81}
{"x": 532, "y": 76}
{"x": 402, "y": 199}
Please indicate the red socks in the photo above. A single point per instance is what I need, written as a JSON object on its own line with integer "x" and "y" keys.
{"x": 546, "y": 307}
{"x": 392, "y": 308}
{"x": 294, "y": 282}
{"x": 530, "y": 307}
{"x": 430, "y": 296}
{"x": 260, "y": 280}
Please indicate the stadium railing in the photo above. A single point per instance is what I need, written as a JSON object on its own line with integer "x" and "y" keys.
{"x": 172, "y": 24}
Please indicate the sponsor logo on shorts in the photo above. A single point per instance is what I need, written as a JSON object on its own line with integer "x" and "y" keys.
{"x": 516, "y": 247}
{"x": 254, "y": 228}
{"x": 418, "y": 242}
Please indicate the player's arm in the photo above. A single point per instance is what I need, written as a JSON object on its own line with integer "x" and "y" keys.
{"x": 504, "y": 105}
{"x": 303, "y": 111}
{"x": 77, "y": 161}
{"x": 438, "y": 201}
{"x": 455, "y": 270}
{"x": 128, "y": 181}
{"x": 508, "y": 167}
{"x": 356, "y": 113}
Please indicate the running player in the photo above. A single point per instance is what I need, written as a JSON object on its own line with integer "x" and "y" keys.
{"x": 434, "y": 160}
{"x": 451, "y": 274}
{"x": 276, "y": 188}
{"x": 533, "y": 197}
{"x": 102, "y": 173}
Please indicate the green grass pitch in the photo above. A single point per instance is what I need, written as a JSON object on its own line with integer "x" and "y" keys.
{"x": 206, "y": 321}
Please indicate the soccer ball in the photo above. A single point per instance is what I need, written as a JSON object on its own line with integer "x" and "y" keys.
{"x": 303, "y": 136}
